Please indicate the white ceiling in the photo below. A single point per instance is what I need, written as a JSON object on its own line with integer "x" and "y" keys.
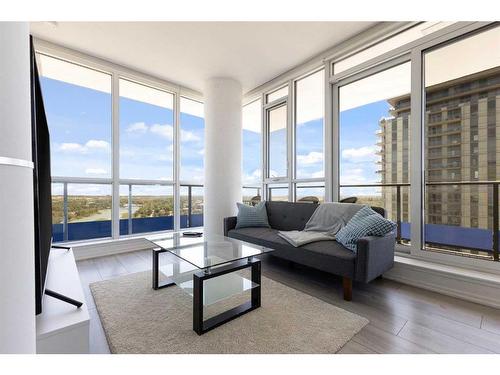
{"x": 188, "y": 53}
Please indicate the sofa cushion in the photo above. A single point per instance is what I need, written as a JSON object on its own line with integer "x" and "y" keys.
{"x": 288, "y": 215}
{"x": 366, "y": 222}
{"x": 329, "y": 256}
{"x": 249, "y": 216}
{"x": 261, "y": 236}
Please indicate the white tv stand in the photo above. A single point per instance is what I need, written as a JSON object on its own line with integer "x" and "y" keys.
{"x": 61, "y": 327}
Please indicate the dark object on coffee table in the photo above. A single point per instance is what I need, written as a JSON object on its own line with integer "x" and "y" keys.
{"x": 192, "y": 234}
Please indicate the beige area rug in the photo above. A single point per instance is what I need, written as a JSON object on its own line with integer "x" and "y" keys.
{"x": 138, "y": 319}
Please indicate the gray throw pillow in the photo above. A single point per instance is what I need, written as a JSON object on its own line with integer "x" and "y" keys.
{"x": 366, "y": 222}
{"x": 249, "y": 216}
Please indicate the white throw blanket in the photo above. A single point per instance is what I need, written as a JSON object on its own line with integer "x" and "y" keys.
{"x": 299, "y": 237}
{"x": 323, "y": 225}
{"x": 330, "y": 217}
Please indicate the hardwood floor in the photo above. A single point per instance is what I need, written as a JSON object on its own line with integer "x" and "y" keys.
{"x": 403, "y": 319}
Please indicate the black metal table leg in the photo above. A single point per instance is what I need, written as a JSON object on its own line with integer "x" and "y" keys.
{"x": 156, "y": 271}
{"x": 257, "y": 280}
{"x": 198, "y": 304}
{"x": 201, "y": 326}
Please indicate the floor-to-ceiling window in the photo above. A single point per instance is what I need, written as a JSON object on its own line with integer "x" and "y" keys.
{"x": 309, "y": 158}
{"x": 191, "y": 168}
{"x": 192, "y": 141}
{"x": 146, "y": 132}
{"x": 408, "y": 131}
{"x": 146, "y": 153}
{"x": 294, "y": 145}
{"x": 91, "y": 163}
{"x": 461, "y": 145}
{"x": 77, "y": 103}
{"x": 374, "y": 114}
{"x": 277, "y": 141}
{"x": 251, "y": 154}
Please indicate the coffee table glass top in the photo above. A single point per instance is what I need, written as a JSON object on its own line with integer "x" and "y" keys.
{"x": 207, "y": 252}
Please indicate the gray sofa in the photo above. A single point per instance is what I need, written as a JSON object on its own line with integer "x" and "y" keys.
{"x": 374, "y": 256}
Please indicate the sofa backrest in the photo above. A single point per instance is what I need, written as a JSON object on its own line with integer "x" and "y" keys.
{"x": 294, "y": 216}
{"x": 289, "y": 215}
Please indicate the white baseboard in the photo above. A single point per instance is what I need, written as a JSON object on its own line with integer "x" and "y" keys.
{"x": 474, "y": 286}
{"x": 110, "y": 248}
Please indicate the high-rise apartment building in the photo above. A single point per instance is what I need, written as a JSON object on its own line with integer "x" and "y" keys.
{"x": 461, "y": 143}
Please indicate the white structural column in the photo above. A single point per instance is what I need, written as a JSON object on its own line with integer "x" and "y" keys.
{"x": 17, "y": 279}
{"x": 222, "y": 102}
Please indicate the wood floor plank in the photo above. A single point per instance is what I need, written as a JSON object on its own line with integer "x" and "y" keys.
{"x": 109, "y": 267}
{"x": 451, "y": 304}
{"x": 383, "y": 342}
{"x": 97, "y": 340}
{"x": 472, "y": 335}
{"x": 491, "y": 323}
{"x": 88, "y": 271}
{"x": 133, "y": 262}
{"x": 437, "y": 341}
{"x": 353, "y": 347}
{"x": 407, "y": 308}
{"x": 147, "y": 255}
{"x": 89, "y": 274}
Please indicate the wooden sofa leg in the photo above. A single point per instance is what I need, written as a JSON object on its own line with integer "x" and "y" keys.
{"x": 347, "y": 284}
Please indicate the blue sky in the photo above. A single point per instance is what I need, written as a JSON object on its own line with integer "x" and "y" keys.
{"x": 80, "y": 128}
{"x": 358, "y": 146}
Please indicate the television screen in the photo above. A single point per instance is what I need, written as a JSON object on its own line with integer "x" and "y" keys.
{"x": 41, "y": 183}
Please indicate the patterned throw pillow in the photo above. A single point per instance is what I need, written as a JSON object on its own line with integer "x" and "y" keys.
{"x": 249, "y": 216}
{"x": 365, "y": 222}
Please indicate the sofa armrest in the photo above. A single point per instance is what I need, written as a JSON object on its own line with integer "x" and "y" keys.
{"x": 229, "y": 223}
{"x": 375, "y": 256}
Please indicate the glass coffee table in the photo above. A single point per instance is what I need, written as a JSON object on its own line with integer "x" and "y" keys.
{"x": 206, "y": 268}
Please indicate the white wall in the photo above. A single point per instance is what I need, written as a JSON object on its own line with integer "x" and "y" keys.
{"x": 222, "y": 99}
{"x": 17, "y": 285}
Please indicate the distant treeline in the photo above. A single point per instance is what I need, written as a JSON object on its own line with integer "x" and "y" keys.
{"x": 80, "y": 207}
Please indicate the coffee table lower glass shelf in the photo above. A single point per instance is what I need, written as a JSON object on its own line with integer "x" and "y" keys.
{"x": 209, "y": 272}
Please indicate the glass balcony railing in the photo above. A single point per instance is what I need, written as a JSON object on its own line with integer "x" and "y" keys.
{"x": 86, "y": 214}
{"x": 191, "y": 206}
{"x": 461, "y": 218}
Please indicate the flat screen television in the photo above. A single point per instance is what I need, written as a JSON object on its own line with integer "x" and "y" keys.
{"x": 41, "y": 182}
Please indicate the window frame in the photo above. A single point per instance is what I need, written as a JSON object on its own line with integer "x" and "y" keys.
{"x": 415, "y": 50}
{"x": 268, "y": 108}
{"x": 294, "y": 130}
{"x": 116, "y": 73}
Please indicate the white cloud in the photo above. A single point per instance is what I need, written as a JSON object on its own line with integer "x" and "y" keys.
{"x": 353, "y": 176}
{"x": 95, "y": 171}
{"x": 93, "y": 144}
{"x": 97, "y": 144}
{"x": 201, "y": 152}
{"x": 187, "y": 136}
{"x": 253, "y": 177}
{"x": 365, "y": 153}
{"x": 137, "y": 127}
{"x": 71, "y": 147}
{"x": 311, "y": 158}
{"x": 306, "y": 173}
{"x": 165, "y": 131}
{"x": 163, "y": 157}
